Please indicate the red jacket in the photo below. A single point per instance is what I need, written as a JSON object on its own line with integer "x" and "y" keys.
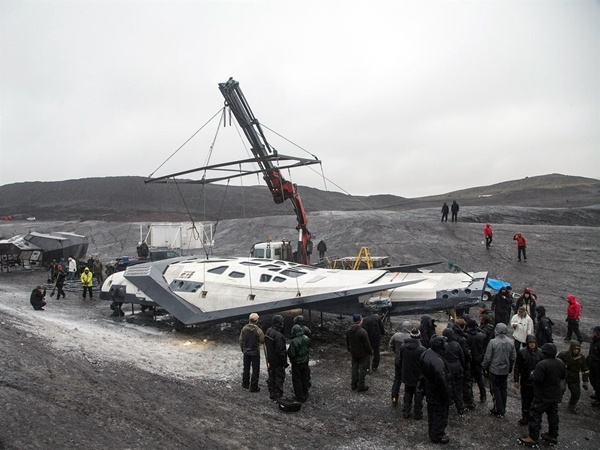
{"x": 487, "y": 231}
{"x": 574, "y": 308}
{"x": 521, "y": 241}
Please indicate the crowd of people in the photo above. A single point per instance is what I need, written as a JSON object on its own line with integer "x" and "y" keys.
{"x": 70, "y": 271}
{"x": 443, "y": 369}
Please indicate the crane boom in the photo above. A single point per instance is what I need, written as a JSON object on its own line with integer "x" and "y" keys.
{"x": 280, "y": 188}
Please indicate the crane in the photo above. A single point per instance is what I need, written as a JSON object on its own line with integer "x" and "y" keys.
{"x": 266, "y": 157}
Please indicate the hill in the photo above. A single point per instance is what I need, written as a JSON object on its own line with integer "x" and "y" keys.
{"x": 130, "y": 199}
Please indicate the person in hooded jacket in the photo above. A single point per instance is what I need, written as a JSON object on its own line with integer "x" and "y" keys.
{"x": 276, "y": 357}
{"x": 299, "y": 320}
{"x": 522, "y": 326}
{"x": 527, "y": 359}
{"x": 298, "y": 353}
{"x": 502, "y": 306}
{"x": 357, "y": 343}
{"x": 547, "y": 393}
{"x": 395, "y": 344}
{"x": 458, "y": 329}
{"x": 529, "y": 301}
{"x": 373, "y": 324}
{"x": 476, "y": 342}
{"x": 409, "y": 357}
{"x": 250, "y": 340}
{"x": 485, "y": 311}
{"x": 489, "y": 235}
{"x": 455, "y": 359}
{"x": 543, "y": 332}
{"x": 573, "y": 313}
{"x": 575, "y": 363}
{"x": 427, "y": 330}
{"x": 439, "y": 389}
{"x": 499, "y": 360}
{"x": 488, "y": 329}
{"x": 87, "y": 281}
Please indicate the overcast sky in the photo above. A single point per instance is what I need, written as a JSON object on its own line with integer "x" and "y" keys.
{"x": 410, "y": 98}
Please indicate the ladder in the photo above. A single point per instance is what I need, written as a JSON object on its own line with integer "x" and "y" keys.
{"x": 366, "y": 254}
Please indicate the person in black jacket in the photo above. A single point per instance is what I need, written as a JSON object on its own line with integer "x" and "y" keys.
{"x": 445, "y": 211}
{"x": 321, "y": 248}
{"x": 454, "y": 209}
{"x": 276, "y": 357}
{"x": 357, "y": 343}
{"x": 527, "y": 359}
{"x": 460, "y": 337}
{"x": 427, "y": 330}
{"x": 547, "y": 393}
{"x": 502, "y": 307}
{"x": 476, "y": 342}
{"x": 409, "y": 357}
{"x": 439, "y": 390}
{"x": 37, "y": 298}
{"x": 373, "y": 325}
{"x": 60, "y": 282}
{"x": 455, "y": 359}
{"x": 543, "y": 331}
{"x": 593, "y": 361}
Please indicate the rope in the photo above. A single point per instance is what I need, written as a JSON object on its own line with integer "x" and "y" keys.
{"x": 286, "y": 139}
{"x": 188, "y": 140}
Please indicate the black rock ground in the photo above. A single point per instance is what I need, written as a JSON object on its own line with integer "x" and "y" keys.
{"x": 73, "y": 377}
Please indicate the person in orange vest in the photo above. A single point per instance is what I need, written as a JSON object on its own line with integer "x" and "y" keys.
{"x": 522, "y": 245}
{"x": 488, "y": 233}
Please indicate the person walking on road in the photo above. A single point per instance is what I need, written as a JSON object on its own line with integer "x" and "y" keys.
{"x": 489, "y": 234}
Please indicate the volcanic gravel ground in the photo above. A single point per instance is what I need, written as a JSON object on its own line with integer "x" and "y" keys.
{"x": 74, "y": 377}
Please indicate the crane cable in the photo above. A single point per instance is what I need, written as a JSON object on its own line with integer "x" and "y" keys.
{"x": 188, "y": 140}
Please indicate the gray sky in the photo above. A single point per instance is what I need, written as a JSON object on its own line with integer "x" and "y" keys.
{"x": 410, "y": 98}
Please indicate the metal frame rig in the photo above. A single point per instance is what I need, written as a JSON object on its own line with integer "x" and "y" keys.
{"x": 265, "y": 156}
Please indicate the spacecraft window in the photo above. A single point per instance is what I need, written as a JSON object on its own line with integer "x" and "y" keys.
{"x": 218, "y": 270}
